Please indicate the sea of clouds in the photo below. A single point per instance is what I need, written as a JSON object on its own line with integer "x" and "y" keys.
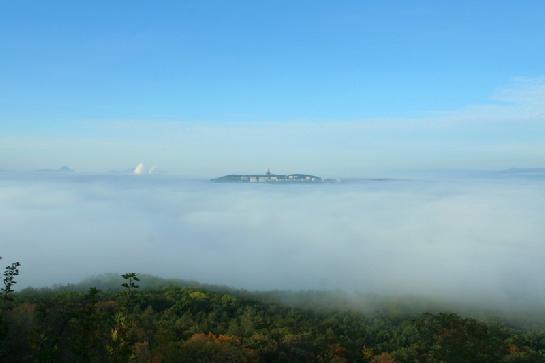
{"x": 478, "y": 239}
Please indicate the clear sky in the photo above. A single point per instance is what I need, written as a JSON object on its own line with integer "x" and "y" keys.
{"x": 334, "y": 87}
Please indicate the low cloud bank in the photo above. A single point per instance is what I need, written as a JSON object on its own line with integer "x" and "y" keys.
{"x": 477, "y": 241}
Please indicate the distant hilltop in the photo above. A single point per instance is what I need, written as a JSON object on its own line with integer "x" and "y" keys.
{"x": 524, "y": 170}
{"x": 270, "y": 178}
{"x": 62, "y": 169}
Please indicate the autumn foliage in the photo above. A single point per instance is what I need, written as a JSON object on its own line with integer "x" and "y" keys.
{"x": 173, "y": 324}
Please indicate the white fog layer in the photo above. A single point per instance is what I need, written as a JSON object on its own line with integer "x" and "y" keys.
{"x": 472, "y": 239}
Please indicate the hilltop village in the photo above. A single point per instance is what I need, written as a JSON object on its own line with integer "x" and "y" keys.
{"x": 270, "y": 178}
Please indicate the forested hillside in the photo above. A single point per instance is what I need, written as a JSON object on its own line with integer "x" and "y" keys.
{"x": 164, "y": 322}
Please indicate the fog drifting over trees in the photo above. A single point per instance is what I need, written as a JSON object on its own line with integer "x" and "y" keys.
{"x": 466, "y": 240}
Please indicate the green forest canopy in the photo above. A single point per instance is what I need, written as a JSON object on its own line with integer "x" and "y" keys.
{"x": 178, "y": 321}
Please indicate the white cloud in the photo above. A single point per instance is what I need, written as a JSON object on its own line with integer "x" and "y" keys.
{"x": 139, "y": 169}
{"x": 466, "y": 240}
{"x": 522, "y": 101}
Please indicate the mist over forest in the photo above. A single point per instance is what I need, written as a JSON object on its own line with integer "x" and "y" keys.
{"x": 468, "y": 240}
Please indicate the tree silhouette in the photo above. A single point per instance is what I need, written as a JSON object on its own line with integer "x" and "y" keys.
{"x": 130, "y": 284}
{"x": 10, "y": 272}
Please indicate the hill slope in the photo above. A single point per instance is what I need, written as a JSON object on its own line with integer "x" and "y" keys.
{"x": 199, "y": 324}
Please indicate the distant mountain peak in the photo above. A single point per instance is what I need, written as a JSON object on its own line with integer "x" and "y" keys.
{"x": 524, "y": 170}
{"x": 62, "y": 169}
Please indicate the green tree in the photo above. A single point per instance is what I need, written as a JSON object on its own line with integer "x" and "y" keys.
{"x": 130, "y": 285}
{"x": 10, "y": 272}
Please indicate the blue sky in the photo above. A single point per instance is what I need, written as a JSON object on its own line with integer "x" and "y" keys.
{"x": 339, "y": 87}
